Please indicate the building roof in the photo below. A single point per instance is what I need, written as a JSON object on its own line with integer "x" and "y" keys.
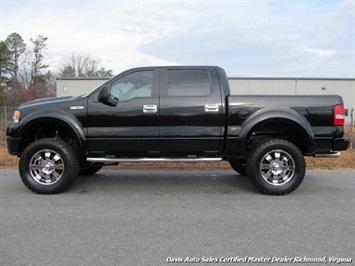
{"x": 83, "y": 78}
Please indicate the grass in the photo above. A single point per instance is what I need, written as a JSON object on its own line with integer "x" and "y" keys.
{"x": 6, "y": 160}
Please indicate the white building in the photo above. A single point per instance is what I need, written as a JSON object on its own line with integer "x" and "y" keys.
{"x": 77, "y": 86}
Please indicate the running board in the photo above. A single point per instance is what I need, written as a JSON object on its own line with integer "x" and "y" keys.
{"x": 334, "y": 154}
{"x": 145, "y": 160}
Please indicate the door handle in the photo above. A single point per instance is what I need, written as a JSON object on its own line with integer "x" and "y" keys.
{"x": 150, "y": 108}
{"x": 211, "y": 108}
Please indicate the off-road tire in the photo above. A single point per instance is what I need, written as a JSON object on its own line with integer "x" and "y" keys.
{"x": 276, "y": 167}
{"x": 48, "y": 166}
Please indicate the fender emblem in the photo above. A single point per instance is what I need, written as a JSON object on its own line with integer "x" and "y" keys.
{"x": 77, "y": 107}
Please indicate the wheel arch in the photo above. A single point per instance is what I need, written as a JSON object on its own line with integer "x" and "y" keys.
{"x": 281, "y": 120}
{"x": 53, "y": 117}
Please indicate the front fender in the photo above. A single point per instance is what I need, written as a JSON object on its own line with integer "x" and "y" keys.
{"x": 281, "y": 115}
{"x": 50, "y": 115}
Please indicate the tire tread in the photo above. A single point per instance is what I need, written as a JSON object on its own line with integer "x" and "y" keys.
{"x": 73, "y": 167}
{"x": 252, "y": 158}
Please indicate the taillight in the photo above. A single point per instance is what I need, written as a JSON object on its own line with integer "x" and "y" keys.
{"x": 339, "y": 115}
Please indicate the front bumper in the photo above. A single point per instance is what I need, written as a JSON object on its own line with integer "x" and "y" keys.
{"x": 13, "y": 146}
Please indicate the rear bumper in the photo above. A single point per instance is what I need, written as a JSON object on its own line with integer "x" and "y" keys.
{"x": 330, "y": 148}
{"x": 341, "y": 144}
{"x": 13, "y": 146}
{"x": 324, "y": 145}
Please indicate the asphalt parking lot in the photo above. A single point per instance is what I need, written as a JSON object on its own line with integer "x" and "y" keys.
{"x": 157, "y": 217}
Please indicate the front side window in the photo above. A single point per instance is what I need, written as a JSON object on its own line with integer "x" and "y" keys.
{"x": 133, "y": 85}
{"x": 188, "y": 82}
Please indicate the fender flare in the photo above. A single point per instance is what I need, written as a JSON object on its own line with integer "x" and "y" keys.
{"x": 283, "y": 115}
{"x": 53, "y": 115}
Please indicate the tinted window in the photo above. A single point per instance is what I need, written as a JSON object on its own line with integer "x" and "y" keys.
{"x": 133, "y": 85}
{"x": 188, "y": 83}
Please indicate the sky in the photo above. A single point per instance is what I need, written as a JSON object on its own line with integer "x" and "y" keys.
{"x": 255, "y": 38}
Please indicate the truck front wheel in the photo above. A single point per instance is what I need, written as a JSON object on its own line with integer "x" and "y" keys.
{"x": 48, "y": 166}
{"x": 276, "y": 167}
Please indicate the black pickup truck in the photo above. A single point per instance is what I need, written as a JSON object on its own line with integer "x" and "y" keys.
{"x": 174, "y": 114}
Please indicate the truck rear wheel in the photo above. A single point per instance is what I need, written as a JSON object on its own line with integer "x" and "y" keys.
{"x": 48, "y": 166}
{"x": 276, "y": 167}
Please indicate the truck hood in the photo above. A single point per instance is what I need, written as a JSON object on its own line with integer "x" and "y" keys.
{"x": 49, "y": 101}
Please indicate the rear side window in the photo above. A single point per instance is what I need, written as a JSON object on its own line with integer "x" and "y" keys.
{"x": 194, "y": 82}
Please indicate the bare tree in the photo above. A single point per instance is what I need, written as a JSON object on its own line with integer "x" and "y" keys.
{"x": 25, "y": 69}
{"x": 37, "y": 65}
{"x": 82, "y": 65}
{"x": 23, "y": 73}
{"x": 32, "y": 70}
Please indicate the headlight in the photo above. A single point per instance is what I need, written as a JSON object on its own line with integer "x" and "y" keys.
{"x": 16, "y": 117}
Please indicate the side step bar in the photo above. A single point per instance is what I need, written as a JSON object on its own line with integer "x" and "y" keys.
{"x": 334, "y": 154}
{"x": 144, "y": 160}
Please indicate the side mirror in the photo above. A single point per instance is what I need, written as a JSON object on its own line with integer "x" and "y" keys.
{"x": 104, "y": 97}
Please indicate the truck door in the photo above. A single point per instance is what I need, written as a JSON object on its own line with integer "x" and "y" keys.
{"x": 131, "y": 127}
{"x": 191, "y": 112}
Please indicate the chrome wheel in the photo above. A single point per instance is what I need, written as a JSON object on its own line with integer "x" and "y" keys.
{"x": 277, "y": 167}
{"x": 46, "y": 167}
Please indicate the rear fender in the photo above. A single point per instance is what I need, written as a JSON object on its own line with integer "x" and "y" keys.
{"x": 280, "y": 115}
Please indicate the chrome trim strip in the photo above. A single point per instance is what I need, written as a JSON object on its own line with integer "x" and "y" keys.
{"x": 334, "y": 154}
{"x": 142, "y": 160}
{"x": 77, "y": 107}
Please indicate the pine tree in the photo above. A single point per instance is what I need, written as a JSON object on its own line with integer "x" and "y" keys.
{"x": 16, "y": 47}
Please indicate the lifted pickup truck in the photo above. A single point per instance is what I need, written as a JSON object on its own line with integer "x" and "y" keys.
{"x": 174, "y": 114}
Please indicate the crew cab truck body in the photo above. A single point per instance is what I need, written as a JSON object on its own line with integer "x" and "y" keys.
{"x": 178, "y": 113}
